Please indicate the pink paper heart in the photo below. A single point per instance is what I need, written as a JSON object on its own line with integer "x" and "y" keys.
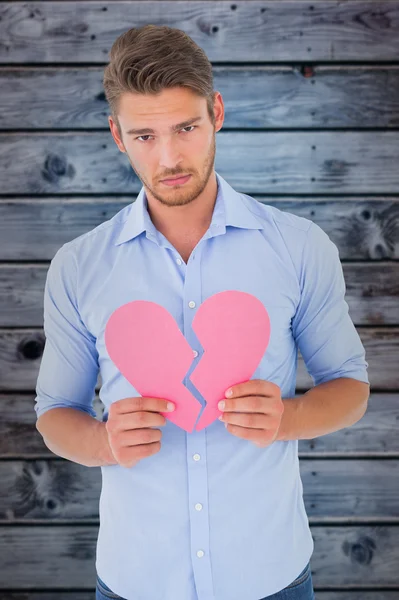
{"x": 234, "y": 330}
{"x": 146, "y": 345}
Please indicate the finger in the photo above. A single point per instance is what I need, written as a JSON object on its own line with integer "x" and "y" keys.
{"x": 247, "y": 433}
{"x": 142, "y": 403}
{"x": 129, "y": 455}
{"x": 136, "y": 437}
{"x": 250, "y": 404}
{"x": 260, "y": 387}
{"x": 139, "y": 419}
{"x": 250, "y": 420}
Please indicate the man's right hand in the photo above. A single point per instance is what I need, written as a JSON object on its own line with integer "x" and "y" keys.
{"x": 129, "y": 428}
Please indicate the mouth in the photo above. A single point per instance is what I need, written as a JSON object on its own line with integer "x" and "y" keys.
{"x": 177, "y": 180}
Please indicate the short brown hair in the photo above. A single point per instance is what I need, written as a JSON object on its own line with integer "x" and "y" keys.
{"x": 151, "y": 58}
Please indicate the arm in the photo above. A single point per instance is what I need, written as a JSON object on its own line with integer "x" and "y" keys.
{"x": 68, "y": 373}
{"x": 330, "y": 345}
{"x": 323, "y": 409}
{"x": 76, "y": 436}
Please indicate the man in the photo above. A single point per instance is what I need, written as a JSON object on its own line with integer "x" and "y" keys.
{"x": 216, "y": 514}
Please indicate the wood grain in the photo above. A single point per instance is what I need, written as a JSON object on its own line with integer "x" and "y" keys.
{"x": 286, "y": 30}
{"x": 375, "y": 435}
{"x": 337, "y": 162}
{"x": 33, "y": 229}
{"x": 372, "y": 293}
{"x": 275, "y": 96}
{"x": 335, "y": 491}
{"x": 345, "y": 556}
{"x": 311, "y": 93}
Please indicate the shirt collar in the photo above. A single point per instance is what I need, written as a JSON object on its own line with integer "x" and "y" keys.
{"x": 229, "y": 209}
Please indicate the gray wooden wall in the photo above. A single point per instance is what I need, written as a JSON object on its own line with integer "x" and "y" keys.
{"x": 311, "y": 91}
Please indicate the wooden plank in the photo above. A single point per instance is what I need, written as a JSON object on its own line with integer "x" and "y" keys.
{"x": 375, "y": 435}
{"x": 48, "y": 557}
{"x": 361, "y": 228}
{"x": 34, "y": 229}
{"x": 321, "y": 595}
{"x": 21, "y": 351}
{"x": 274, "y": 31}
{"x": 20, "y": 438}
{"x": 56, "y": 595}
{"x": 344, "y": 556}
{"x": 339, "y": 491}
{"x": 382, "y": 351}
{"x": 260, "y": 96}
{"x": 372, "y": 293}
{"x": 253, "y": 162}
{"x": 57, "y": 489}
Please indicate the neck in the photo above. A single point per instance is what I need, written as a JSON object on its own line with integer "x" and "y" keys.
{"x": 190, "y": 219}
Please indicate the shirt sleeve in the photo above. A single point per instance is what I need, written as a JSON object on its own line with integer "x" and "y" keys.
{"x": 69, "y": 366}
{"x": 323, "y": 330}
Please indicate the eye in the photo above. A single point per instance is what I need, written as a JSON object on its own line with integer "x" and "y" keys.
{"x": 146, "y": 136}
{"x": 193, "y": 126}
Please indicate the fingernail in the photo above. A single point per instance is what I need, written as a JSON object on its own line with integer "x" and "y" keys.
{"x": 221, "y": 405}
{"x": 170, "y": 406}
{"x": 229, "y": 392}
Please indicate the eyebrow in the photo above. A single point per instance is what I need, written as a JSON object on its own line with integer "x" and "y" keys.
{"x": 173, "y": 127}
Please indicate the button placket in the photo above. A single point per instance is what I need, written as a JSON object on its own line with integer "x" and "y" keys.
{"x": 197, "y": 477}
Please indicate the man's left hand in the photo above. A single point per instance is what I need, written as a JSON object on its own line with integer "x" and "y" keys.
{"x": 254, "y": 411}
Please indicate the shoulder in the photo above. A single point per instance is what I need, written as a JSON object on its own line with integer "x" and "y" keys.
{"x": 302, "y": 241}
{"x": 297, "y": 232}
{"x": 101, "y": 236}
{"x": 285, "y": 221}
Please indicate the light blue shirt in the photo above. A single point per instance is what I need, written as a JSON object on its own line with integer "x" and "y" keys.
{"x": 210, "y": 516}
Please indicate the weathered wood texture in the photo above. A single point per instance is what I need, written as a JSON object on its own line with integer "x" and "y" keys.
{"x": 375, "y": 435}
{"x": 311, "y": 93}
{"x": 285, "y": 97}
{"x": 345, "y": 555}
{"x": 34, "y": 228}
{"x": 372, "y": 293}
{"x": 21, "y": 351}
{"x": 276, "y": 162}
{"x": 250, "y": 31}
{"x": 54, "y": 595}
{"x": 334, "y": 490}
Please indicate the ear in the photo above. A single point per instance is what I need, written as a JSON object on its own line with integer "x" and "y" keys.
{"x": 115, "y": 134}
{"x": 218, "y": 108}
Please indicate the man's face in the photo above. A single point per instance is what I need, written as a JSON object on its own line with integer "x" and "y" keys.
{"x": 167, "y": 153}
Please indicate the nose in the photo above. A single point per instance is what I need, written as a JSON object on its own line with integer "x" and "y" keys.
{"x": 169, "y": 155}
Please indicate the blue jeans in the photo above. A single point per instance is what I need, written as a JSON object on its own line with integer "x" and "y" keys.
{"x": 300, "y": 589}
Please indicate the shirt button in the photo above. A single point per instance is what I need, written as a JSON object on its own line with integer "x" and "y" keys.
{"x": 200, "y": 553}
{"x": 191, "y": 304}
{"x": 198, "y": 506}
{"x": 178, "y": 261}
{"x": 196, "y": 457}
{"x": 195, "y": 353}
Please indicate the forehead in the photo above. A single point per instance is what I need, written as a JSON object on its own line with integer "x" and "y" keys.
{"x": 161, "y": 110}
